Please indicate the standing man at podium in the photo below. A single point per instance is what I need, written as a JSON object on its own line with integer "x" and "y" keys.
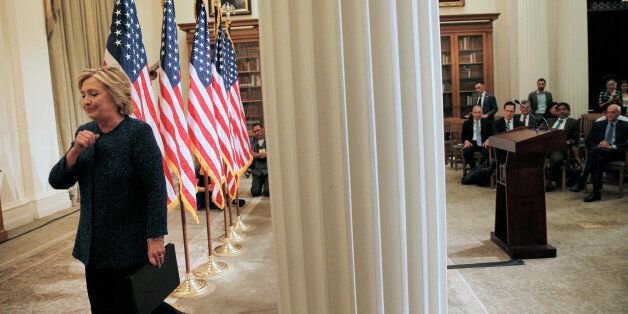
{"x": 475, "y": 134}
{"x": 606, "y": 142}
{"x": 508, "y": 122}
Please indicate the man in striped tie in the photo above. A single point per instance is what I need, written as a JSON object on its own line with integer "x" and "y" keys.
{"x": 607, "y": 141}
{"x": 475, "y": 134}
{"x": 572, "y": 126}
{"x": 508, "y": 122}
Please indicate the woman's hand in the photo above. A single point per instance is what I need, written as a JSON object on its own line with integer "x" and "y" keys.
{"x": 156, "y": 251}
{"x": 83, "y": 141}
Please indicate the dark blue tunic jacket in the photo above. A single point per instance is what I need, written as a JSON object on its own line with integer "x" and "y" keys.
{"x": 123, "y": 194}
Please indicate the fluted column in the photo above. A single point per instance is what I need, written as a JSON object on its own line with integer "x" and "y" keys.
{"x": 532, "y": 35}
{"x": 571, "y": 80}
{"x": 354, "y": 126}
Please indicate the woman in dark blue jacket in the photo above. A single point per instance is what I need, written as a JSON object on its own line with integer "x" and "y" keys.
{"x": 118, "y": 166}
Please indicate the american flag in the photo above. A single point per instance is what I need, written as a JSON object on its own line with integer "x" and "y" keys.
{"x": 202, "y": 122}
{"x": 220, "y": 104}
{"x": 125, "y": 50}
{"x": 174, "y": 127}
{"x": 227, "y": 74}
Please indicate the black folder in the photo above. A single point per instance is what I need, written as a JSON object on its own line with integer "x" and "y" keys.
{"x": 151, "y": 285}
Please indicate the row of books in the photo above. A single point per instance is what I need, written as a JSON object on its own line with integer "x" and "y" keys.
{"x": 253, "y": 111}
{"x": 470, "y": 43}
{"x": 250, "y": 94}
{"x": 248, "y": 65}
{"x": 253, "y": 80}
{"x": 243, "y": 50}
{"x": 445, "y": 59}
{"x": 473, "y": 57}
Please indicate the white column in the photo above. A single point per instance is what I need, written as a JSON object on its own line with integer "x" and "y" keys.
{"x": 354, "y": 119}
{"x": 33, "y": 128}
{"x": 572, "y": 54}
{"x": 534, "y": 57}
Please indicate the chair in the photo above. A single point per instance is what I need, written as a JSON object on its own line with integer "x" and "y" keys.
{"x": 456, "y": 148}
{"x": 447, "y": 129}
{"x": 453, "y": 145}
{"x": 620, "y": 167}
{"x": 586, "y": 122}
{"x": 572, "y": 153}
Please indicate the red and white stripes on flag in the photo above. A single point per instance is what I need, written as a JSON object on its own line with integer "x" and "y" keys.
{"x": 125, "y": 50}
{"x": 203, "y": 127}
{"x": 228, "y": 102}
{"x": 174, "y": 127}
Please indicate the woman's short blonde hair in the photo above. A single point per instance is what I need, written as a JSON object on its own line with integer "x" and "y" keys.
{"x": 116, "y": 82}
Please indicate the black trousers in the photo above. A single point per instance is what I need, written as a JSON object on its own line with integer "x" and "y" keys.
{"x": 109, "y": 291}
{"x": 556, "y": 162}
{"x": 597, "y": 159}
{"x": 468, "y": 154}
{"x": 260, "y": 185}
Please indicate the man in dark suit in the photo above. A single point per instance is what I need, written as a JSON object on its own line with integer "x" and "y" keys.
{"x": 508, "y": 122}
{"x": 525, "y": 118}
{"x": 606, "y": 142}
{"x": 540, "y": 98}
{"x": 475, "y": 134}
{"x": 486, "y": 101}
{"x": 572, "y": 126}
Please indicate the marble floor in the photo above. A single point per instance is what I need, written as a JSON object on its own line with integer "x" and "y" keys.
{"x": 589, "y": 275}
{"x": 38, "y": 274}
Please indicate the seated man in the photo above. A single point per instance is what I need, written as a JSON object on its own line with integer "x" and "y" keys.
{"x": 621, "y": 118}
{"x": 524, "y": 117}
{"x": 508, "y": 122}
{"x": 475, "y": 134}
{"x": 200, "y": 190}
{"x": 572, "y": 126}
{"x": 260, "y": 166}
{"x": 606, "y": 142}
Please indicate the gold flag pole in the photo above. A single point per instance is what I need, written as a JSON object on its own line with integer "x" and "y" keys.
{"x": 239, "y": 224}
{"x": 232, "y": 235}
{"x": 229, "y": 246}
{"x": 190, "y": 287}
{"x": 211, "y": 268}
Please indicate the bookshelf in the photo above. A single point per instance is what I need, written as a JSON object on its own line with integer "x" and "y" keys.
{"x": 245, "y": 36}
{"x": 466, "y": 57}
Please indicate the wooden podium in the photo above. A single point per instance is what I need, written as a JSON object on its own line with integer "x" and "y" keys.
{"x": 520, "y": 223}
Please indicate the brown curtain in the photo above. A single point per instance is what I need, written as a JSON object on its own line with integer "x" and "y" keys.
{"x": 77, "y": 37}
{"x": 77, "y": 40}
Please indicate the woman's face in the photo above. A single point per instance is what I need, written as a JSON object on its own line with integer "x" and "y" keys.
{"x": 96, "y": 101}
{"x": 624, "y": 87}
{"x": 611, "y": 85}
